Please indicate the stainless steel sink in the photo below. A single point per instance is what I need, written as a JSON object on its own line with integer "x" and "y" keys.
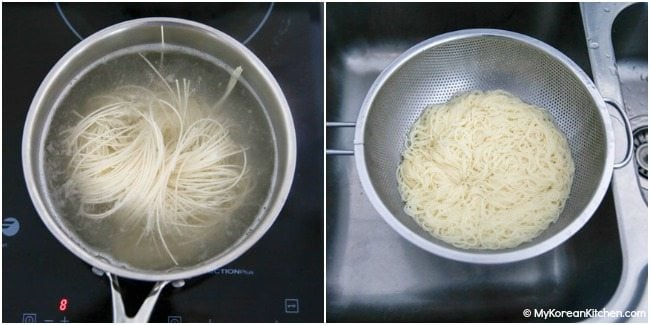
{"x": 617, "y": 36}
{"x": 373, "y": 275}
{"x": 630, "y": 39}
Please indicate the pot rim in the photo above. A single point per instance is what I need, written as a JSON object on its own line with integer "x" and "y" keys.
{"x": 248, "y": 239}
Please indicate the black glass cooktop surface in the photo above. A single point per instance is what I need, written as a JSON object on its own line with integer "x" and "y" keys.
{"x": 279, "y": 279}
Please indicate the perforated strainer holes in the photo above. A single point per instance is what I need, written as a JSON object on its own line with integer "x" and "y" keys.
{"x": 440, "y": 71}
{"x": 641, "y": 150}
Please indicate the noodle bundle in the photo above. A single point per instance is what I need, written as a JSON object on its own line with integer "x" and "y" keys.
{"x": 156, "y": 159}
{"x": 485, "y": 171}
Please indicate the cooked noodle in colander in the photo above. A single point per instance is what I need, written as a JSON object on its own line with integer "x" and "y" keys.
{"x": 485, "y": 171}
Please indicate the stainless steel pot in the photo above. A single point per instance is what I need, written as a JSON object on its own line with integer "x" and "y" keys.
{"x": 138, "y": 32}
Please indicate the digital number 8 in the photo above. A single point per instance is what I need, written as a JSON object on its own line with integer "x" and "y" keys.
{"x": 63, "y": 304}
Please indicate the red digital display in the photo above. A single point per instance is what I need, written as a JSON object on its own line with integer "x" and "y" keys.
{"x": 63, "y": 304}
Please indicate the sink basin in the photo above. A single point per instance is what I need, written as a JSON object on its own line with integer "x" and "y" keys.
{"x": 373, "y": 274}
{"x": 630, "y": 40}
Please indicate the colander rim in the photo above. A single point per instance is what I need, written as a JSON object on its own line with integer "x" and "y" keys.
{"x": 486, "y": 257}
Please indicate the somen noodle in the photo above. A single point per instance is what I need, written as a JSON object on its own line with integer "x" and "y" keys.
{"x": 485, "y": 171}
{"x": 156, "y": 158}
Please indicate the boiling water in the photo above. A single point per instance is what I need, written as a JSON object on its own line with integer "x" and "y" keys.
{"x": 248, "y": 125}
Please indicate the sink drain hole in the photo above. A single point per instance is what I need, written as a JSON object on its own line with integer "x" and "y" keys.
{"x": 641, "y": 150}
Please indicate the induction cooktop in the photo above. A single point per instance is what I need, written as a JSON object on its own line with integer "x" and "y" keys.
{"x": 279, "y": 279}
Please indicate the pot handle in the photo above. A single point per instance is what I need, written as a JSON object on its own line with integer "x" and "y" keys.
{"x": 143, "y": 314}
{"x": 340, "y": 152}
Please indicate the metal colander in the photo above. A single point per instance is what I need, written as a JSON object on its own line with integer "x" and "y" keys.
{"x": 432, "y": 72}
